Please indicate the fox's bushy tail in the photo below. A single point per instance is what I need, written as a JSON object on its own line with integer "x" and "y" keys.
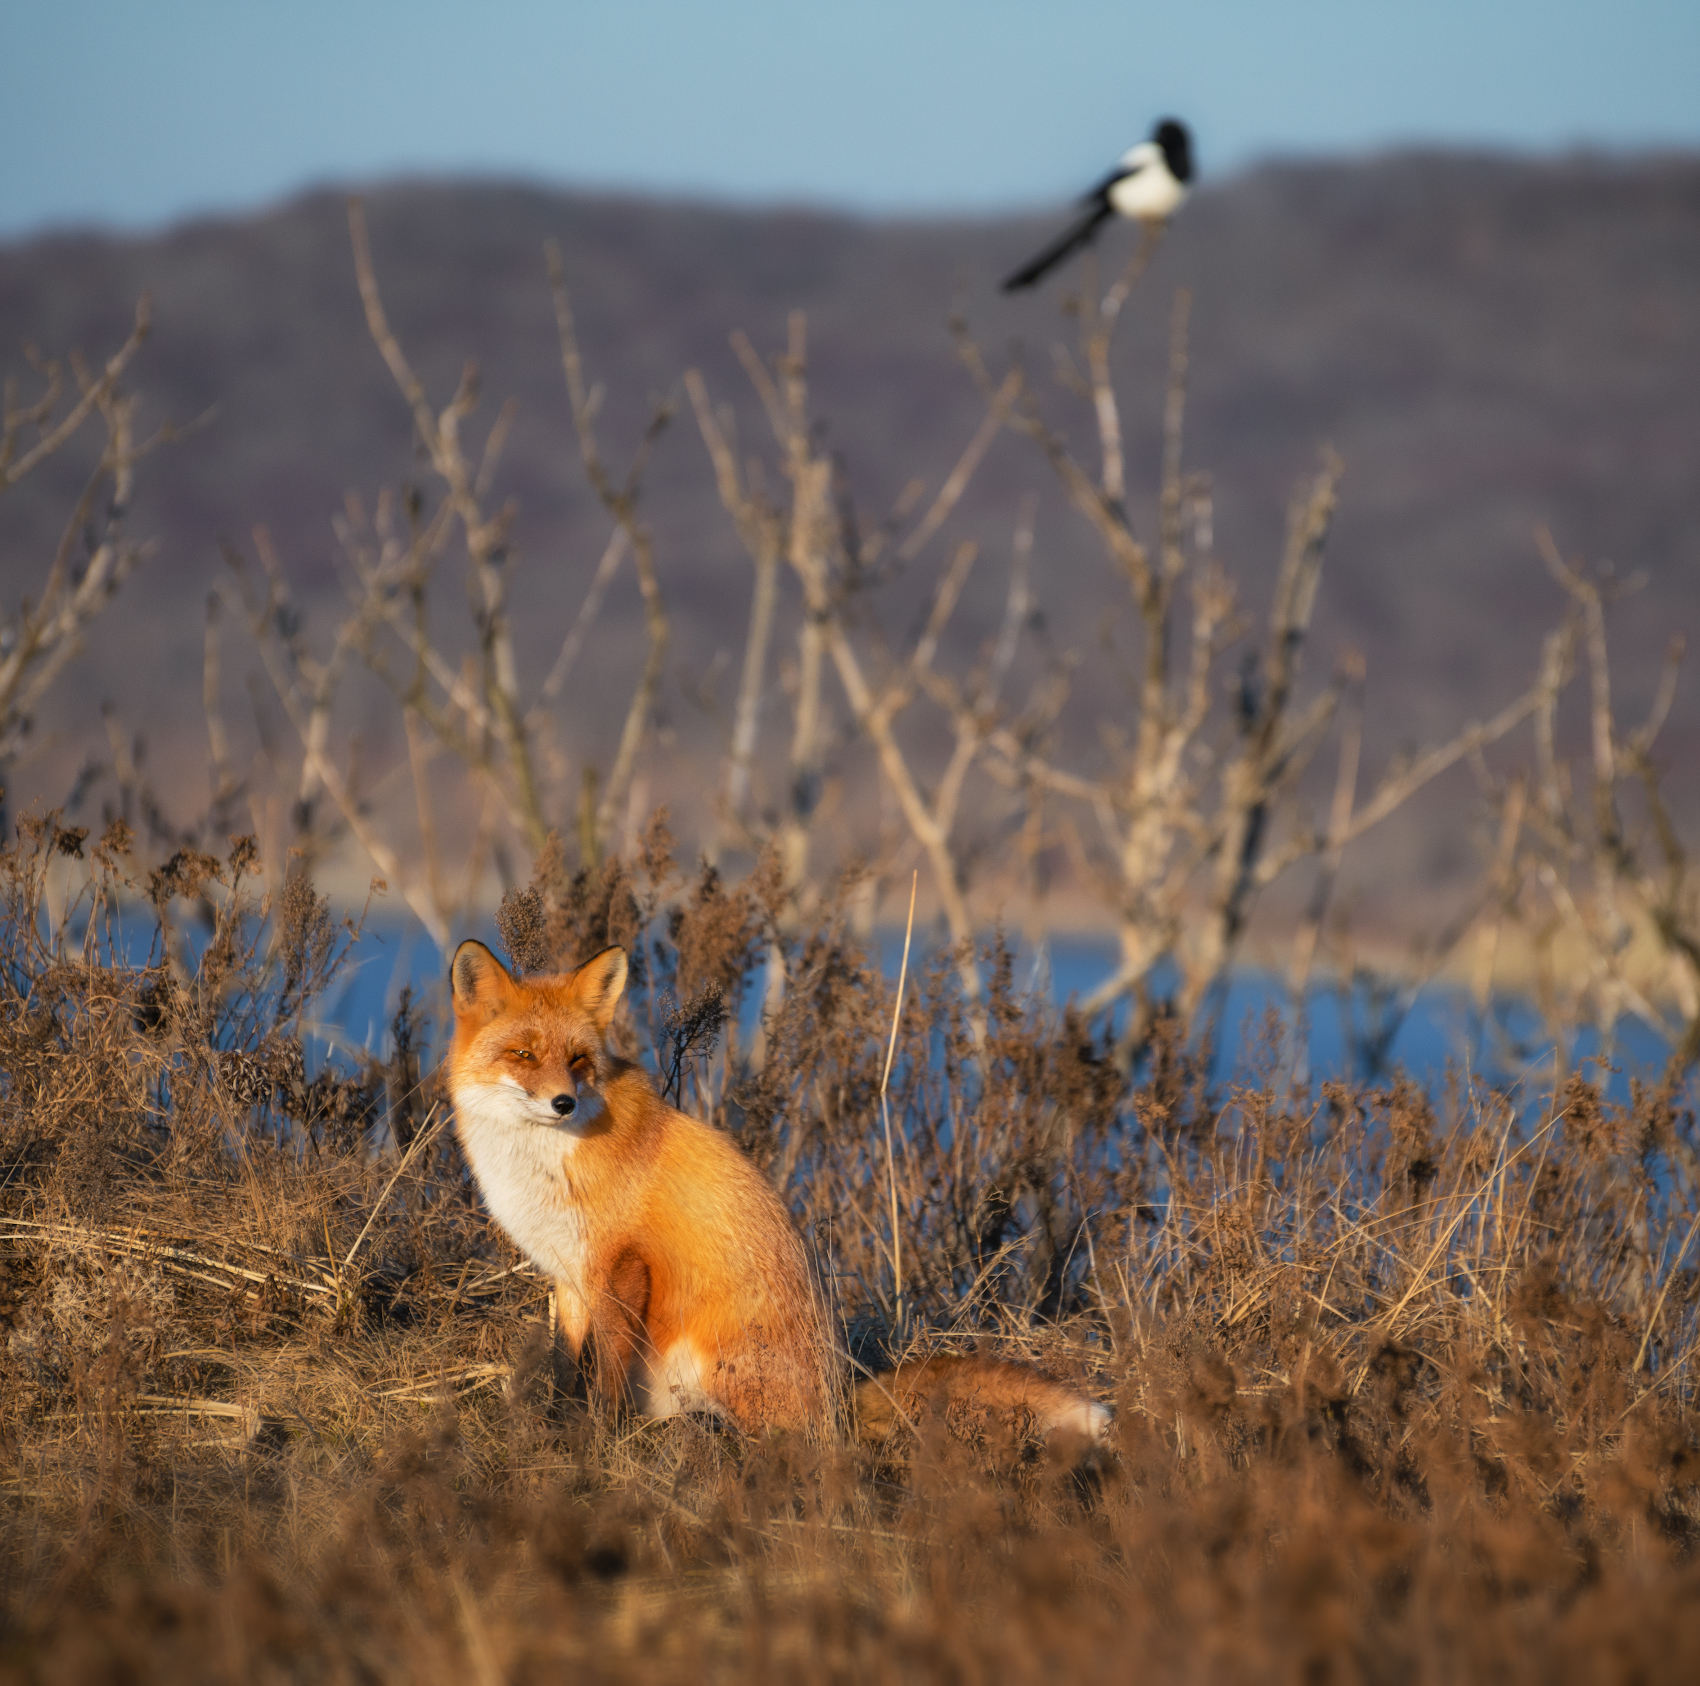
{"x": 975, "y": 1398}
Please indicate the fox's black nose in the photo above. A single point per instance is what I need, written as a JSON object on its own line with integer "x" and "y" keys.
{"x": 565, "y": 1105}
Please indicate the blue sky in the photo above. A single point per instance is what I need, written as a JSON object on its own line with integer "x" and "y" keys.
{"x": 136, "y": 115}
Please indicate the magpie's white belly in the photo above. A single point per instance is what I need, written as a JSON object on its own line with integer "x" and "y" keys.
{"x": 1147, "y": 193}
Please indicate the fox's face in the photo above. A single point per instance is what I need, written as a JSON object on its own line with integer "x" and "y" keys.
{"x": 533, "y": 1051}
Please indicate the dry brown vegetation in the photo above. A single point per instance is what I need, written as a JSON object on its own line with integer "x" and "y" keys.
{"x": 1404, "y": 1385}
{"x": 1404, "y": 1380}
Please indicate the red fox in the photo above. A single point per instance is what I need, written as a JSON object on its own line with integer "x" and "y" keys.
{"x": 677, "y": 1269}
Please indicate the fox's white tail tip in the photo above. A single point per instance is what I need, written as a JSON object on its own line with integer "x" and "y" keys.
{"x": 1083, "y": 1417}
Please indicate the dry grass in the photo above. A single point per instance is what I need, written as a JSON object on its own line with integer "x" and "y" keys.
{"x": 1404, "y": 1383}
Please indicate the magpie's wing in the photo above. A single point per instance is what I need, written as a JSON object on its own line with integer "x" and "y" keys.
{"x": 1100, "y": 195}
{"x": 1069, "y": 241}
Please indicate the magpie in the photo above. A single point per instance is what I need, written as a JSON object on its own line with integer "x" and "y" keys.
{"x": 1147, "y": 186}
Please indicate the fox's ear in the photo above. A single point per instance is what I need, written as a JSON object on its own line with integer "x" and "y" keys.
{"x": 599, "y": 983}
{"x": 479, "y": 979}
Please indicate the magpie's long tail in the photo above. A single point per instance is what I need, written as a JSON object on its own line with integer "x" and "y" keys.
{"x": 1035, "y": 269}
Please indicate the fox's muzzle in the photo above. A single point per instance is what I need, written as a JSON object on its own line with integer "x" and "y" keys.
{"x": 565, "y": 1105}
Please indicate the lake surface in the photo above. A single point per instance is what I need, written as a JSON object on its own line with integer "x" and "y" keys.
{"x": 1365, "y": 1032}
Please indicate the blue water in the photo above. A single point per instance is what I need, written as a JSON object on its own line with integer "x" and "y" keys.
{"x": 1367, "y": 1032}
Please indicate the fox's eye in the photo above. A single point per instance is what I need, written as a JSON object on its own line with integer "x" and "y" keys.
{"x": 582, "y": 1068}
{"x": 522, "y": 1054}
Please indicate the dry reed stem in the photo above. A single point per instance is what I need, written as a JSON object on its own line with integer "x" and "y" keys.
{"x": 885, "y": 1111}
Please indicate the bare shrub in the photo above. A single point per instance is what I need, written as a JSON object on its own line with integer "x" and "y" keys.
{"x": 95, "y": 554}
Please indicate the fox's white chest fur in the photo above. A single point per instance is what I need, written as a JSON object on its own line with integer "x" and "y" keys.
{"x": 520, "y": 1151}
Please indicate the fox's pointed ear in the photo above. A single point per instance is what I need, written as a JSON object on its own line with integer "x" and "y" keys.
{"x": 599, "y": 983}
{"x": 480, "y": 981}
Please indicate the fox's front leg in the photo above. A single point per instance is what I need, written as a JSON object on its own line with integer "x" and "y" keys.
{"x": 569, "y": 1332}
{"x": 606, "y": 1330}
{"x": 619, "y": 1329}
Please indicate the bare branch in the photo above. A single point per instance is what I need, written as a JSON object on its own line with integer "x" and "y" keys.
{"x": 621, "y": 503}
{"x": 1587, "y": 598}
{"x": 1503, "y": 890}
{"x": 1098, "y": 331}
{"x": 1105, "y": 513}
{"x": 1339, "y": 819}
{"x": 956, "y": 483}
{"x": 486, "y": 538}
{"x": 218, "y": 739}
{"x": 1396, "y": 791}
{"x": 1641, "y": 744}
{"x": 613, "y": 554}
{"x": 1174, "y": 428}
{"x": 11, "y": 472}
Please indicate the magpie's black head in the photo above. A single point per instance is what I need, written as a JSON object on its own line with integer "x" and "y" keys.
{"x": 1176, "y": 143}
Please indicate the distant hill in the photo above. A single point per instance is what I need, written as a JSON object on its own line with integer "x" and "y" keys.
{"x": 1488, "y": 343}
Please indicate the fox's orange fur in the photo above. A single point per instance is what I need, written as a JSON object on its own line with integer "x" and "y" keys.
{"x": 678, "y": 1273}
{"x": 976, "y": 1398}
